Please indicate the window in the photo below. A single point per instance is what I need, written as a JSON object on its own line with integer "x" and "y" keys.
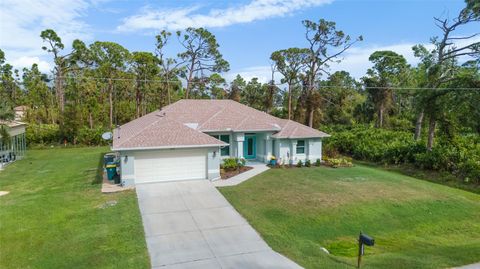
{"x": 301, "y": 147}
{"x": 225, "y": 151}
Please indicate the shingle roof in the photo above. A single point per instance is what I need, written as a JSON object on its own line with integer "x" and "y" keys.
{"x": 13, "y": 123}
{"x": 184, "y": 122}
{"x": 293, "y": 129}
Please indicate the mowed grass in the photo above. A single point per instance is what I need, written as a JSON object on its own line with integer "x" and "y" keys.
{"x": 56, "y": 217}
{"x": 416, "y": 224}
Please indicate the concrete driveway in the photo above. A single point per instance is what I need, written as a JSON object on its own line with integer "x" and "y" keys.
{"x": 189, "y": 224}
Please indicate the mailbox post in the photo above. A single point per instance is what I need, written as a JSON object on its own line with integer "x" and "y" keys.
{"x": 363, "y": 240}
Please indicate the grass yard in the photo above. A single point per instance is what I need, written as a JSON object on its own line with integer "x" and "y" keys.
{"x": 416, "y": 224}
{"x": 55, "y": 215}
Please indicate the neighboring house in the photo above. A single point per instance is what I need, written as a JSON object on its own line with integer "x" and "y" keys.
{"x": 20, "y": 112}
{"x": 15, "y": 148}
{"x": 188, "y": 139}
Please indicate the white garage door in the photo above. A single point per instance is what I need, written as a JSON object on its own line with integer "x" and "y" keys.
{"x": 168, "y": 165}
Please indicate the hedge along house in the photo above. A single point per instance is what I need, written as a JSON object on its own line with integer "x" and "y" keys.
{"x": 14, "y": 148}
{"x": 189, "y": 138}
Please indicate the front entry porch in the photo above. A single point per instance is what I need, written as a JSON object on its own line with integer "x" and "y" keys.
{"x": 250, "y": 147}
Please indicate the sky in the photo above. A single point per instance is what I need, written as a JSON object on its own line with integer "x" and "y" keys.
{"x": 247, "y": 31}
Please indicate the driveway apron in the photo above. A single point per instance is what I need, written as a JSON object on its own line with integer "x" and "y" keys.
{"x": 189, "y": 224}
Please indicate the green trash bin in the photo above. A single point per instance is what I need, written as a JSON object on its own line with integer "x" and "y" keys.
{"x": 108, "y": 158}
{"x": 111, "y": 168}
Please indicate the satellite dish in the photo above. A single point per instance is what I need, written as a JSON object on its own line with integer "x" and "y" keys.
{"x": 107, "y": 135}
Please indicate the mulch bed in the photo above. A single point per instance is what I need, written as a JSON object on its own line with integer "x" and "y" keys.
{"x": 229, "y": 174}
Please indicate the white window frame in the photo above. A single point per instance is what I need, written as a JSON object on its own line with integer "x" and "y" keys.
{"x": 304, "y": 147}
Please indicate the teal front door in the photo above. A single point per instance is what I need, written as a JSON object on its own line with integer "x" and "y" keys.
{"x": 250, "y": 147}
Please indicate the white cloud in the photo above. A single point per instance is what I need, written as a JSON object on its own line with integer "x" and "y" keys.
{"x": 356, "y": 62}
{"x": 181, "y": 18}
{"x": 21, "y": 22}
{"x": 263, "y": 73}
{"x": 28, "y": 61}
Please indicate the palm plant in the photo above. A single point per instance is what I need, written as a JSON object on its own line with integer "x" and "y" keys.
{"x": 6, "y": 114}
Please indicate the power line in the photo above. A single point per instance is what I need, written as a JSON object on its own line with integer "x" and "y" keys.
{"x": 276, "y": 84}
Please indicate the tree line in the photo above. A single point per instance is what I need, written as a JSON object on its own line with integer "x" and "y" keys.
{"x": 97, "y": 86}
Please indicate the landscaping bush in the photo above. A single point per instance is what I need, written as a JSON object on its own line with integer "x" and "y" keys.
{"x": 230, "y": 164}
{"x": 45, "y": 134}
{"x": 241, "y": 162}
{"x": 299, "y": 164}
{"x": 87, "y": 136}
{"x": 460, "y": 156}
{"x": 338, "y": 162}
{"x": 308, "y": 163}
{"x": 318, "y": 162}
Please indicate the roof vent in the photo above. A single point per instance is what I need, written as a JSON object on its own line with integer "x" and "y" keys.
{"x": 192, "y": 125}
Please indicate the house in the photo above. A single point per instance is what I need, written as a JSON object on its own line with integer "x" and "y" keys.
{"x": 189, "y": 138}
{"x": 15, "y": 148}
{"x": 20, "y": 112}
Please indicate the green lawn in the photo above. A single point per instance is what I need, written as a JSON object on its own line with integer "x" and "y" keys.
{"x": 416, "y": 224}
{"x": 54, "y": 216}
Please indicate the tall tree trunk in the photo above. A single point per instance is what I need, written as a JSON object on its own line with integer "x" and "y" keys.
{"x": 381, "y": 110}
{"x": 190, "y": 77}
{"x": 59, "y": 91}
{"x": 431, "y": 132}
{"x": 110, "y": 100}
{"x": 137, "y": 100}
{"x": 418, "y": 125}
{"x": 310, "y": 118}
{"x": 289, "y": 101}
{"x": 310, "y": 107}
{"x": 168, "y": 93}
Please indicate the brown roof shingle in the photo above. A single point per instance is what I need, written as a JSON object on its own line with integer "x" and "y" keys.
{"x": 183, "y": 123}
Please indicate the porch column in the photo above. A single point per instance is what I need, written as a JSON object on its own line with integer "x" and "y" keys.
{"x": 239, "y": 138}
{"x": 294, "y": 152}
{"x": 268, "y": 148}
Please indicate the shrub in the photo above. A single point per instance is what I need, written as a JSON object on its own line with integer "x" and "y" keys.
{"x": 241, "y": 162}
{"x": 338, "y": 162}
{"x": 460, "y": 156}
{"x": 318, "y": 162}
{"x": 308, "y": 163}
{"x": 230, "y": 164}
{"x": 87, "y": 136}
{"x": 299, "y": 164}
{"x": 42, "y": 134}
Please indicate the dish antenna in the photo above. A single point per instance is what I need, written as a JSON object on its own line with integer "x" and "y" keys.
{"x": 107, "y": 136}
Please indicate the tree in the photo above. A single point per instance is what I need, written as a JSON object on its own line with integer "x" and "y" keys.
{"x": 388, "y": 71}
{"x": 325, "y": 45}
{"x": 63, "y": 63}
{"x": 201, "y": 55}
{"x": 6, "y": 114}
{"x": 110, "y": 60}
{"x": 290, "y": 63}
{"x": 39, "y": 95}
{"x": 252, "y": 94}
{"x": 145, "y": 67}
{"x": 10, "y": 89}
{"x": 236, "y": 88}
{"x": 170, "y": 66}
{"x": 343, "y": 97}
{"x": 440, "y": 64}
{"x": 216, "y": 85}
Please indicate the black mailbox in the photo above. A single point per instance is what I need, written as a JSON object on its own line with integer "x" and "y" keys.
{"x": 367, "y": 240}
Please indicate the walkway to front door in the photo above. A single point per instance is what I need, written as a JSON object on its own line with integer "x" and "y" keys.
{"x": 250, "y": 147}
{"x": 189, "y": 224}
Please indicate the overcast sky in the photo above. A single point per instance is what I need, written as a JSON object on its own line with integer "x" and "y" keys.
{"x": 247, "y": 31}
